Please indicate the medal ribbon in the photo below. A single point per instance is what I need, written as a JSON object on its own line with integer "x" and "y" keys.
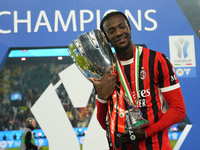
{"x": 123, "y": 78}
{"x": 121, "y": 111}
{"x": 112, "y": 117}
{"x": 124, "y": 91}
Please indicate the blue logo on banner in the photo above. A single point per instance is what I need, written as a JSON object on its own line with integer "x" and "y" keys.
{"x": 185, "y": 47}
{"x": 185, "y": 71}
{"x": 182, "y": 50}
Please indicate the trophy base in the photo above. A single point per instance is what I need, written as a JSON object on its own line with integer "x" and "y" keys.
{"x": 140, "y": 124}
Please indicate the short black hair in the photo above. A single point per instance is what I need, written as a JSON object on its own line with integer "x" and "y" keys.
{"x": 114, "y": 13}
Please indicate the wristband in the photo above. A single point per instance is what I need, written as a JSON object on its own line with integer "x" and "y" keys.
{"x": 101, "y": 100}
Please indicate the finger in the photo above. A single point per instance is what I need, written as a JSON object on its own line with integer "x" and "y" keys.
{"x": 107, "y": 72}
{"x": 93, "y": 80}
{"x": 113, "y": 79}
{"x": 113, "y": 76}
{"x": 105, "y": 75}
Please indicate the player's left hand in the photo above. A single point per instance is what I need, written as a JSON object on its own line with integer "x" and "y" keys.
{"x": 140, "y": 134}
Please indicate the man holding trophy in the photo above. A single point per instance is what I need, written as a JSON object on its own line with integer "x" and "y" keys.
{"x": 132, "y": 86}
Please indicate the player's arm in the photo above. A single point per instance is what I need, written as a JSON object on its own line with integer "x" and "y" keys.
{"x": 175, "y": 113}
{"x": 104, "y": 87}
{"x": 102, "y": 109}
{"x": 171, "y": 91}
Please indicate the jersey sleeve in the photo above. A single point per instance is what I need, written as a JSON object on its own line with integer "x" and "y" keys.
{"x": 175, "y": 113}
{"x": 170, "y": 89}
{"x": 167, "y": 78}
{"x": 102, "y": 109}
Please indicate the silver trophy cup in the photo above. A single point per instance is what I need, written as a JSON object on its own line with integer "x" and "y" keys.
{"x": 93, "y": 56}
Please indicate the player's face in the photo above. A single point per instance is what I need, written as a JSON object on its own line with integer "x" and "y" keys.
{"x": 33, "y": 123}
{"x": 118, "y": 32}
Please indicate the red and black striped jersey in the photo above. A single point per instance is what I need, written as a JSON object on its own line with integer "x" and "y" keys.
{"x": 156, "y": 77}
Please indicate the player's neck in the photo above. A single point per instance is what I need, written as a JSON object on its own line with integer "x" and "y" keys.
{"x": 126, "y": 53}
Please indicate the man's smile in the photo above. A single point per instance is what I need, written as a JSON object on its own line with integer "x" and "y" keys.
{"x": 121, "y": 40}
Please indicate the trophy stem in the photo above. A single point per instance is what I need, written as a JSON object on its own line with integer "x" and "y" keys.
{"x": 135, "y": 115}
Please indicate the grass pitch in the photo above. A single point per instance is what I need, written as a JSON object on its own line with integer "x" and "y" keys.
{"x": 172, "y": 142}
{"x": 43, "y": 148}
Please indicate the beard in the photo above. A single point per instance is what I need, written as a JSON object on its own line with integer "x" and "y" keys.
{"x": 123, "y": 48}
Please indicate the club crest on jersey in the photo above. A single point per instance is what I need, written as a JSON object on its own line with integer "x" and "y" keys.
{"x": 143, "y": 74}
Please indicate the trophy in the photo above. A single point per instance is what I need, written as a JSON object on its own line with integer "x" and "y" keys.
{"x": 93, "y": 56}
